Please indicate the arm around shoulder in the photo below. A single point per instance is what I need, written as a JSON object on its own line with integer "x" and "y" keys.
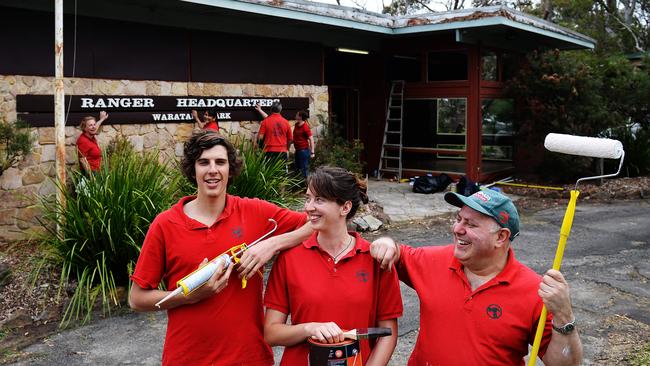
{"x": 257, "y": 256}
{"x": 385, "y": 251}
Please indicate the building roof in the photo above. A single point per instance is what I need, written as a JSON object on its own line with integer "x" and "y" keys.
{"x": 499, "y": 21}
{"x": 332, "y": 25}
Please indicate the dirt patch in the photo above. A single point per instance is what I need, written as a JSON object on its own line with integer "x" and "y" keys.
{"x": 29, "y": 309}
{"x": 535, "y": 199}
{"x": 627, "y": 338}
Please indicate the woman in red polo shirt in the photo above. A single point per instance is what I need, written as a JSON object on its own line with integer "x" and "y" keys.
{"x": 330, "y": 283}
{"x": 88, "y": 151}
{"x": 209, "y": 120}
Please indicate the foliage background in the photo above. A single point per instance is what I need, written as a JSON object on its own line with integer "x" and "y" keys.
{"x": 332, "y": 149}
{"x": 107, "y": 214}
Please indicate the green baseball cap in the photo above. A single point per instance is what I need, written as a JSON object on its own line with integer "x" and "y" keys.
{"x": 490, "y": 203}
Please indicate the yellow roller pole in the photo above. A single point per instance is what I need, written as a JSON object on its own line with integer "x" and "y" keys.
{"x": 557, "y": 262}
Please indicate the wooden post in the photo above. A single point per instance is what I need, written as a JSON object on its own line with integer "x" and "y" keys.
{"x": 59, "y": 105}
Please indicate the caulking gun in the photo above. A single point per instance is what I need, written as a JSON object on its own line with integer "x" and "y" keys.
{"x": 201, "y": 275}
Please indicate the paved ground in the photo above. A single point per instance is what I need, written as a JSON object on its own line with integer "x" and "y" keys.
{"x": 401, "y": 204}
{"x": 607, "y": 263}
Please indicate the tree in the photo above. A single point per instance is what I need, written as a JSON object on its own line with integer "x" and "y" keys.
{"x": 15, "y": 143}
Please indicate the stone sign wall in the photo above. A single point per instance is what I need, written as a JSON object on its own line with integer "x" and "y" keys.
{"x": 20, "y": 186}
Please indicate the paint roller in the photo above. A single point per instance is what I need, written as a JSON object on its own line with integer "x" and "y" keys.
{"x": 582, "y": 146}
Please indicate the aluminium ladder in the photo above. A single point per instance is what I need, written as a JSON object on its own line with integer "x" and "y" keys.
{"x": 390, "y": 162}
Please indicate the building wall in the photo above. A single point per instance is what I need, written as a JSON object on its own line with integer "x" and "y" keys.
{"x": 20, "y": 186}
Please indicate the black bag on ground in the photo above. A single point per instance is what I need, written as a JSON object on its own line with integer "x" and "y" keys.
{"x": 466, "y": 187}
{"x": 429, "y": 184}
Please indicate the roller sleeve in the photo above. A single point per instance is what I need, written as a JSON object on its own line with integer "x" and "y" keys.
{"x": 584, "y": 146}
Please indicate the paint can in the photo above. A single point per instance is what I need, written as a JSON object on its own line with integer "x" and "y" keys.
{"x": 346, "y": 353}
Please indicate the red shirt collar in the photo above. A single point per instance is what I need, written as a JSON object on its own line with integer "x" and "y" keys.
{"x": 361, "y": 245}
{"x": 507, "y": 274}
{"x": 181, "y": 218}
{"x": 93, "y": 139}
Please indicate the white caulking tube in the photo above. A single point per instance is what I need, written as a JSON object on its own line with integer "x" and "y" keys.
{"x": 201, "y": 275}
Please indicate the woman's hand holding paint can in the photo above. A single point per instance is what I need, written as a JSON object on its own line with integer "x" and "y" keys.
{"x": 324, "y": 332}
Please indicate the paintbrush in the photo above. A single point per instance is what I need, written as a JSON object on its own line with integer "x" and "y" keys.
{"x": 367, "y": 333}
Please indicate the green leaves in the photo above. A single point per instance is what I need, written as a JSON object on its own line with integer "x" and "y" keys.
{"x": 332, "y": 149}
{"x": 103, "y": 225}
{"x": 579, "y": 93}
{"x": 106, "y": 216}
{"x": 15, "y": 143}
{"x": 265, "y": 178}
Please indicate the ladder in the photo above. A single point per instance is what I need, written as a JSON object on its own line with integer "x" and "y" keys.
{"x": 390, "y": 162}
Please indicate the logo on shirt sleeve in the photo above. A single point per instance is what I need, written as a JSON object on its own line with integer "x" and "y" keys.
{"x": 494, "y": 311}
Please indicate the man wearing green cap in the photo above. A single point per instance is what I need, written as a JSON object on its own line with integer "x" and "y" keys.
{"x": 478, "y": 304}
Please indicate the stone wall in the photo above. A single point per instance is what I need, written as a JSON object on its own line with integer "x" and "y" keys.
{"x": 20, "y": 186}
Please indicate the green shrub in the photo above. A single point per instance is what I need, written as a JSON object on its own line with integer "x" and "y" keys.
{"x": 106, "y": 217}
{"x": 265, "y": 178}
{"x": 103, "y": 224}
{"x": 332, "y": 149}
{"x": 15, "y": 143}
{"x": 636, "y": 143}
{"x": 578, "y": 93}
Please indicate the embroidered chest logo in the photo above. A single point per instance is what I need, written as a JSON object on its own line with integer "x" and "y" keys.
{"x": 362, "y": 276}
{"x": 494, "y": 311}
{"x": 237, "y": 232}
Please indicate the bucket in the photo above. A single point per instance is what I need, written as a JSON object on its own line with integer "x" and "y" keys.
{"x": 346, "y": 353}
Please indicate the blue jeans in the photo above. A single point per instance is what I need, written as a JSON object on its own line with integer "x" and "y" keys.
{"x": 302, "y": 161}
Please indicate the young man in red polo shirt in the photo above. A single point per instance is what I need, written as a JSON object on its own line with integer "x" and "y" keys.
{"x": 275, "y": 132}
{"x": 478, "y": 304}
{"x": 220, "y": 323}
{"x": 88, "y": 151}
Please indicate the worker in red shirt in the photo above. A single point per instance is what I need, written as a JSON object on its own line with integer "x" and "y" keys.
{"x": 275, "y": 133}
{"x": 88, "y": 151}
{"x": 330, "y": 283}
{"x": 303, "y": 143}
{"x": 209, "y": 120}
{"x": 478, "y": 304}
{"x": 220, "y": 323}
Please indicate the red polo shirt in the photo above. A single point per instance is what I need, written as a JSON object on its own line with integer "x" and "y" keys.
{"x": 492, "y": 325}
{"x": 277, "y": 133}
{"x": 87, "y": 147}
{"x": 227, "y": 328}
{"x": 354, "y": 293}
{"x": 301, "y": 136}
{"x": 212, "y": 125}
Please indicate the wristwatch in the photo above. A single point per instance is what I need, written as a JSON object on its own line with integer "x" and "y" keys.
{"x": 566, "y": 328}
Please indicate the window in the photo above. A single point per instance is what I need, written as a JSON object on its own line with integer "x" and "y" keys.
{"x": 404, "y": 67}
{"x": 489, "y": 66}
{"x": 498, "y": 129}
{"x": 434, "y": 122}
{"x": 452, "y": 116}
{"x": 446, "y": 66}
